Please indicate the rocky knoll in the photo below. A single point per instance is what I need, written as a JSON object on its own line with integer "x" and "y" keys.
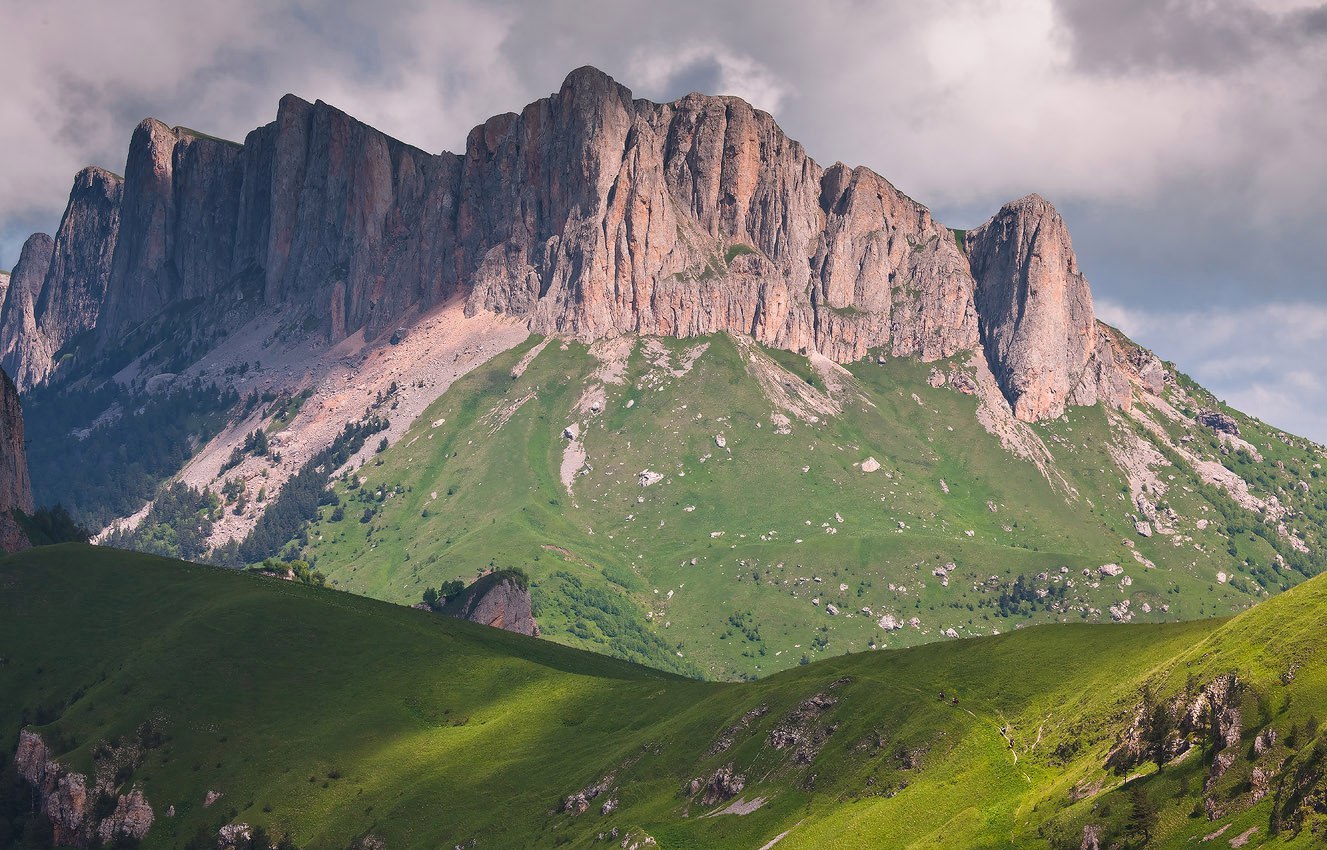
{"x": 15, "y": 489}
{"x": 590, "y": 213}
{"x": 500, "y": 599}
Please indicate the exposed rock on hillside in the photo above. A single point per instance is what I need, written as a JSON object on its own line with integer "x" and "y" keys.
{"x": 1037, "y": 323}
{"x": 1218, "y": 422}
{"x": 15, "y": 489}
{"x": 590, "y": 214}
{"x": 501, "y": 600}
{"x": 80, "y": 813}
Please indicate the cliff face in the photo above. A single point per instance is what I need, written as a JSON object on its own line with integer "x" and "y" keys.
{"x": 20, "y": 343}
{"x": 64, "y": 282}
{"x": 598, "y": 215}
{"x": 1037, "y": 323}
{"x": 498, "y": 600}
{"x": 80, "y": 271}
{"x": 15, "y": 489}
{"x": 590, "y": 214}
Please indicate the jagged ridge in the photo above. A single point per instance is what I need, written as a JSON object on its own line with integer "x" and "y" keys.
{"x": 590, "y": 214}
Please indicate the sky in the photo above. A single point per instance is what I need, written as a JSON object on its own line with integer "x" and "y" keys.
{"x": 1183, "y": 141}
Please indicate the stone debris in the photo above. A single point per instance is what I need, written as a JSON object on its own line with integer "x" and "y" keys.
{"x": 723, "y": 785}
{"x": 1218, "y": 422}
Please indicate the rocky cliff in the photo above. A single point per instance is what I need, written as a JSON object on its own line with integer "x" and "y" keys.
{"x": 65, "y": 280}
{"x": 15, "y": 489}
{"x": 20, "y": 342}
{"x": 590, "y": 214}
{"x": 83, "y": 813}
{"x": 501, "y": 600}
{"x": 1037, "y": 324}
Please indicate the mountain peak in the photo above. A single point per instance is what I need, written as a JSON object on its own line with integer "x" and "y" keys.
{"x": 588, "y": 214}
{"x": 588, "y": 77}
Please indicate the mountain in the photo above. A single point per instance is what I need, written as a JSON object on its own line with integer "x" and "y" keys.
{"x": 589, "y": 214}
{"x": 15, "y": 488}
{"x": 727, "y": 408}
{"x": 173, "y": 703}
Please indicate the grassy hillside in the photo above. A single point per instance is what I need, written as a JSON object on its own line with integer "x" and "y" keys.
{"x": 328, "y": 716}
{"x": 727, "y": 566}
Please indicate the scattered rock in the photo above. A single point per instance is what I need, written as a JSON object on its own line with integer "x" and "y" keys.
{"x": 131, "y": 819}
{"x": 963, "y": 382}
{"x": 936, "y": 378}
{"x": 647, "y": 478}
{"x": 870, "y": 465}
{"x": 233, "y": 834}
{"x": 1217, "y": 421}
{"x": 723, "y": 785}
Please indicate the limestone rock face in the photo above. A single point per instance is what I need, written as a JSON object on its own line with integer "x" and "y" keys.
{"x": 590, "y": 214}
{"x": 1037, "y": 323}
{"x": 886, "y": 274}
{"x": 177, "y": 224}
{"x": 19, "y": 338}
{"x": 79, "y": 814}
{"x": 498, "y": 600}
{"x": 65, "y": 287}
{"x": 80, "y": 270}
{"x": 15, "y": 488}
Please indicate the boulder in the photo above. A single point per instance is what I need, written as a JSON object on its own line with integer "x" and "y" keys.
{"x": 1218, "y": 422}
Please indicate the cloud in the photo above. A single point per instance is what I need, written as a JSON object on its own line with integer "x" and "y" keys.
{"x": 1217, "y": 37}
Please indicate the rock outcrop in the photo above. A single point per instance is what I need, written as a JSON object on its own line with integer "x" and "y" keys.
{"x": 64, "y": 282}
{"x": 589, "y": 214}
{"x": 15, "y": 488}
{"x": 20, "y": 343}
{"x": 79, "y": 813}
{"x": 500, "y": 599}
{"x": 80, "y": 270}
{"x": 1035, "y": 308}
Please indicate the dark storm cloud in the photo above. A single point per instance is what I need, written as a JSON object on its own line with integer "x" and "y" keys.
{"x": 1182, "y": 141}
{"x": 1209, "y": 36}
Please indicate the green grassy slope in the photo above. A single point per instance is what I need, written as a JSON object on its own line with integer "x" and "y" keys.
{"x": 475, "y": 485}
{"x": 328, "y": 715}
